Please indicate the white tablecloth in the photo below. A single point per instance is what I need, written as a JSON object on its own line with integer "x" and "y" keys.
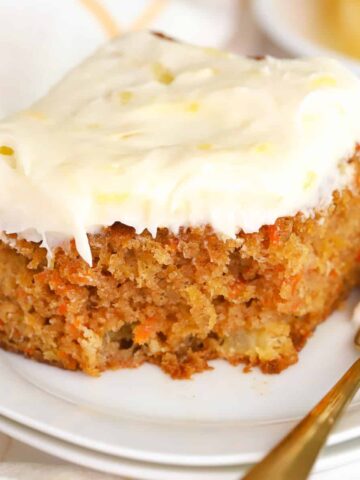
{"x": 21, "y": 462}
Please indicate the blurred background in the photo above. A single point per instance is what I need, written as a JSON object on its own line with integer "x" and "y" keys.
{"x": 41, "y": 39}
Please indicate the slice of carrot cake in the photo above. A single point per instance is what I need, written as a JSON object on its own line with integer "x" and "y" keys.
{"x": 173, "y": 204}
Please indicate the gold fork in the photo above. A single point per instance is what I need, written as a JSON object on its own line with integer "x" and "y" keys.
{"x": 294, "y": 457}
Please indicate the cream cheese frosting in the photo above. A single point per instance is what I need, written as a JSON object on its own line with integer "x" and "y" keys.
{"x": 153, "y": 133}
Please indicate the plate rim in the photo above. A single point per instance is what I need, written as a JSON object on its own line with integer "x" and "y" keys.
{"x": 346, "y": 431}
{"x": 330, "y": 458}
{"x": 121, "y": 466}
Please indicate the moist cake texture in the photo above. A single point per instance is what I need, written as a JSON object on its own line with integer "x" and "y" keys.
{"x": 173, "y": 204}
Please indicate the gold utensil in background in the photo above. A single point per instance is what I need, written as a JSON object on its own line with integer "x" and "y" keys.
{"x": 294, "y": 457}
{"x": 338, "y": 25}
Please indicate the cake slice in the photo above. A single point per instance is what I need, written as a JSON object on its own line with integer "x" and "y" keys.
{"x": 172, "y": 204}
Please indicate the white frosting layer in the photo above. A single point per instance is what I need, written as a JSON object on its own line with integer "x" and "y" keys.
{"x": 153, "y": 134}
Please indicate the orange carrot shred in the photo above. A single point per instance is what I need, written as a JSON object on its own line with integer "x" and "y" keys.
{"x": 144, "y": 331}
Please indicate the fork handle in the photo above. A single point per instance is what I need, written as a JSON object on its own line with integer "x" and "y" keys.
{"x": 294, "y": 457}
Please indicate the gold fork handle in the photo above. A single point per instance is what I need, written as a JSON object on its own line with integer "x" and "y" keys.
{"x": 294, "y": 457}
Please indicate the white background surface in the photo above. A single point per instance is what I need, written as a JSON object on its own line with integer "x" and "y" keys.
{"x": 238, "y": 32}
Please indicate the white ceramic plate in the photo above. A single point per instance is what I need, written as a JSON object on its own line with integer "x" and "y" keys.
{"x": 115, "y": 465}
{"x": 4, "y": 444}
{"x": 290, "y": 24}
{"x": 332, "y": 458}
{"x": 221, "y": 417}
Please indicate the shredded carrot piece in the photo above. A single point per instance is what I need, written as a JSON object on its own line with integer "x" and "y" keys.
{"x": 67, "y": 360}
{"x": 55, "y": 282}
{"x": 73, "y": 330}
{"x": 20, "y": 292}
{"x": 144, "y": 331}
{"x": 334, "y": 273}
{"x": 273, "y": 233}
{"x": 62, "y": 309}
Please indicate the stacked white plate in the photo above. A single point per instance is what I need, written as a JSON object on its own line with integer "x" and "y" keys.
{"x": 141, "y": 424}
